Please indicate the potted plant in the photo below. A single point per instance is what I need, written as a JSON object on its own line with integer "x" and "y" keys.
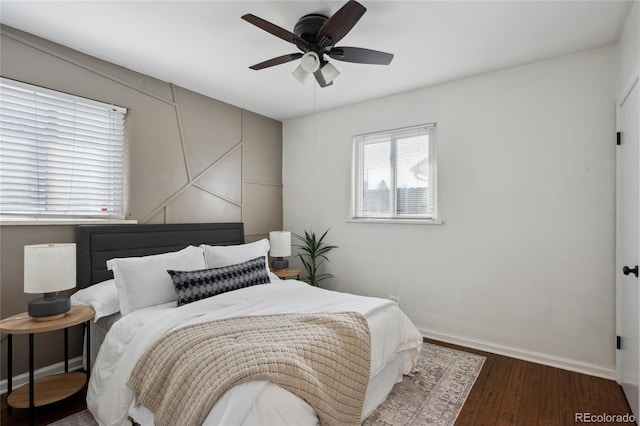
{"x": 313, "y": 254}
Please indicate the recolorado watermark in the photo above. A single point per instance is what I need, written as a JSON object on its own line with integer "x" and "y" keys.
{"x": 603, "y": 418}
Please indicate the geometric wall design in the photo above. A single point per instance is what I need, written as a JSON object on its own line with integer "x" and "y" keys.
{"x": 190, "y": 158}
{"x": 196, "y": 205}
{"x": 209, "y": 128}
{"x": 208, "y": 139}
{"x": 224, "y": 177}
{"x": 216, "y": 153}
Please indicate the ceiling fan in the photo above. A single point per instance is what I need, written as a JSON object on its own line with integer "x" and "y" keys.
{"x": 316, "y": 36}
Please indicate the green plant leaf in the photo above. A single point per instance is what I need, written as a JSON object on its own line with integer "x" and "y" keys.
{"x": 313, "y": 253}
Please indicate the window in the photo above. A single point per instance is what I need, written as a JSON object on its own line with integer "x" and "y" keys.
{"x": 60, "y": 155}
{"x": 395, "y": 174}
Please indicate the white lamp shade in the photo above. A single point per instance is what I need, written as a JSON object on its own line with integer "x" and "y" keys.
{"x": 280, "y": 242}
{"x": 310, "y": 62}
{"x": 300, "y": 74}
{"x": 329, "y": 72}
{"x": 49, "y": 268}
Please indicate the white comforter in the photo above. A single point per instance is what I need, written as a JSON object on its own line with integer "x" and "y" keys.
{"x": 110, "y": 400}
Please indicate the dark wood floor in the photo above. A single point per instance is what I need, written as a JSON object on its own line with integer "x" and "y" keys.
{"x": 45, "y": 414}
{"x": 508, "y": 392}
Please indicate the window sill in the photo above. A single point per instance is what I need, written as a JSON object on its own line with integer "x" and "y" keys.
{"x": 15, "y": 221}
{"x": 396, "y": 221}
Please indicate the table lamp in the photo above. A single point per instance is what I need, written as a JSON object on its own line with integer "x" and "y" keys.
{"x": 49, "y": 268}
{"x": 280, "y": 242}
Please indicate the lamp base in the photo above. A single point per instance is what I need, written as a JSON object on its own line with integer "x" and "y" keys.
{"x": 279, "y": 263}
{"x": 49, "y": 307}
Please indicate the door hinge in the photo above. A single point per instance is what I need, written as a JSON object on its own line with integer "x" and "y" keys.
{"x": 618, "y": 342}
{"x": 618, "y": 138}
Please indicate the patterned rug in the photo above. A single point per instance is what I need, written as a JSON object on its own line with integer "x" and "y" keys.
{"x": 434, "y": 395}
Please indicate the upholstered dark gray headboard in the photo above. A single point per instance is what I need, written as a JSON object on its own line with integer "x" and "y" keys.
{"x": 98, "y": 243}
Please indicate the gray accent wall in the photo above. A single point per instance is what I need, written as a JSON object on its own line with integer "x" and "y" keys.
{"x": 190, "y": 158}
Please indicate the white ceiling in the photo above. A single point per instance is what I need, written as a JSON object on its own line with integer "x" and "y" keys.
{"x": 204, "y": 46}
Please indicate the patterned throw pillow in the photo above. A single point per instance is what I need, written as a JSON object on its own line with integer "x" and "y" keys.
{"x": 195, "y": 285}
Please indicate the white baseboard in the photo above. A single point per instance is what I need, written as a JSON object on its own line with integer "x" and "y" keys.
{"x": 537, "y": 357}
{"x": 21, "y": 379}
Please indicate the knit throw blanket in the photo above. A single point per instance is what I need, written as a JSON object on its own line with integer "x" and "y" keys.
{"x": 322, "y": 358}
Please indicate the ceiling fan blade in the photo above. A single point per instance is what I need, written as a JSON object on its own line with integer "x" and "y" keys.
{"x": 274, "y": 29}
{"x": 276, "y": 61}
{"x": 320, "y": 79}
{"x": 338, "y": 25}
{"x": 360, "y": 55}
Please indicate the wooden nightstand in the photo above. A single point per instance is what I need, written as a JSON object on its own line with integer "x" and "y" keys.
{"x": 283, "y": 274}
{"x": 55, "y": 387}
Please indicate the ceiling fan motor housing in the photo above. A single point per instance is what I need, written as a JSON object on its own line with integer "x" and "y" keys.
{"x": 307, "y": 29}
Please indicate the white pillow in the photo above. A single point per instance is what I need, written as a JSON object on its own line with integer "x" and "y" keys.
{"x": 221, "y": 256}
{"x": 274, "y": 277}
{"x": 144, "y": 281}
{"x": 102, "y": 297}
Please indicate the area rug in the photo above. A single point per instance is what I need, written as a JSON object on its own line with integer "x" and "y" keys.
{"x": 83, "y": 418}
{"x": 433, "y": 395}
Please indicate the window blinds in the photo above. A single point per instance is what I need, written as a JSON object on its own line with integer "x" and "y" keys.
{"x": 395, "y": 174}
{"x": 60, "y": 155}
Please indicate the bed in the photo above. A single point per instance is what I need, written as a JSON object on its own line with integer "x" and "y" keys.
{"x": 126, "y": 329}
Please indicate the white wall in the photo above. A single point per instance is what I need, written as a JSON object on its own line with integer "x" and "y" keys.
{"x": 524, "y": 263}
{"x": 629, "y": 49}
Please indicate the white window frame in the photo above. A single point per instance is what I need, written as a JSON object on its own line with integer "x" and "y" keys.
{"x": 23, "y": 140}
{"x": 357, "y": 214}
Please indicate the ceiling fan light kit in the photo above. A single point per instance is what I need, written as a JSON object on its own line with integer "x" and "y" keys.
{"x": 309, "y": 64}
{"x": 315, "y": 36}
